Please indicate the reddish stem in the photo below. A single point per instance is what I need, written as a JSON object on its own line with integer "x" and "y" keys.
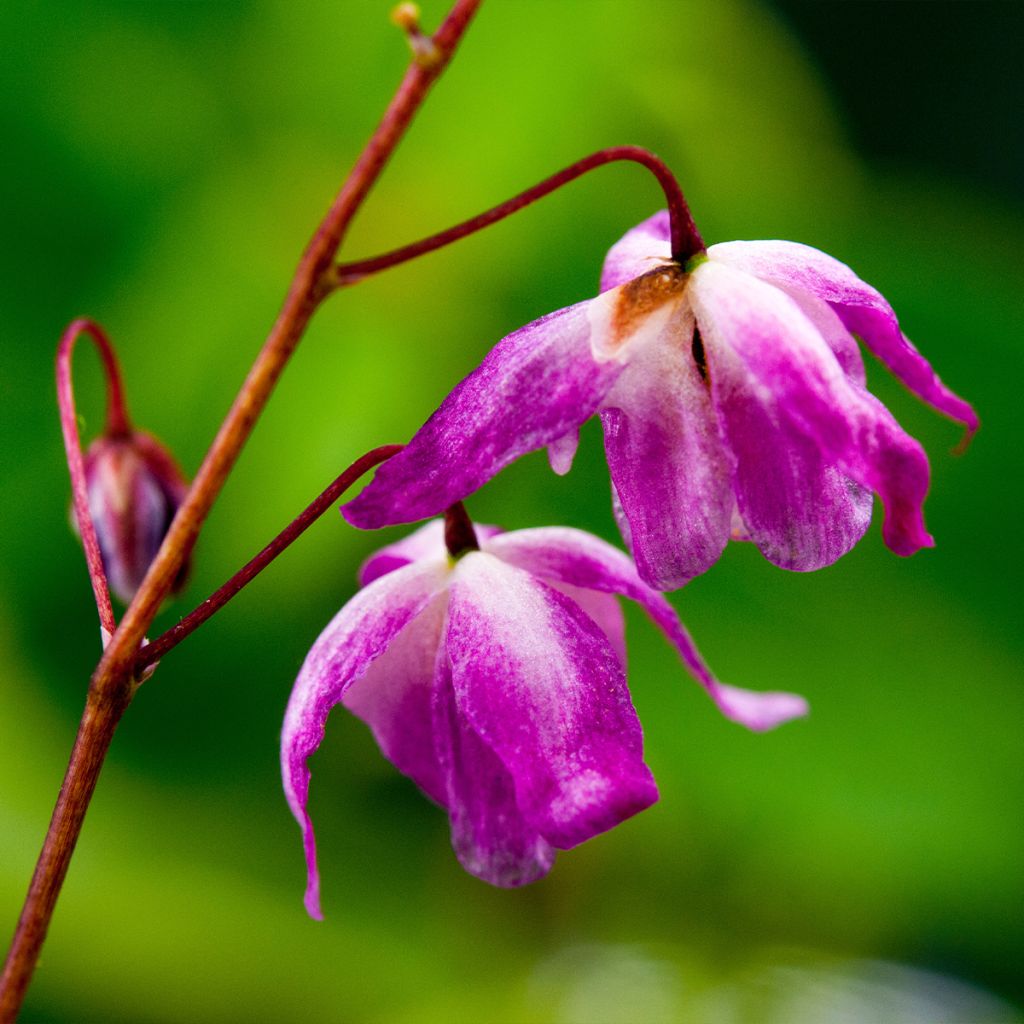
{"x": 459, "y": 535}
{"x": 118, "y": 423}
{"x": 162, "y": 644}
{"x": 686, "y": 239}
{"x": 112, "y": 683}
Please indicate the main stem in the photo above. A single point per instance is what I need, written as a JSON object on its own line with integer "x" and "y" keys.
{"x": 111, "y": 685}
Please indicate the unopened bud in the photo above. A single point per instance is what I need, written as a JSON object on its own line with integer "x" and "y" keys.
{"x": 425, "y": 52}
{"x": 407, "y": 17}
{"x": 134, "y": 488}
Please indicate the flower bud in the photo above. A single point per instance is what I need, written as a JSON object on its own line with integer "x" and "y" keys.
{"x": 134, "y": 488}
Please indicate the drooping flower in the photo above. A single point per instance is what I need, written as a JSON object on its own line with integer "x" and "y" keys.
{"x": 496, "y": 682}
{"x": 733, "y": 401}
{"x": 134, "y": 488}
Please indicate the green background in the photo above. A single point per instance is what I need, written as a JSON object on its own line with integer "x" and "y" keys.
{"x": 164, "y": 165}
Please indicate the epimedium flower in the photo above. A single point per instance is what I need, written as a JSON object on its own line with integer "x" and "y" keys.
{"x": 134, "y": 488}
{"x": 732, "y": 394}
{"x": 496, "y": 682}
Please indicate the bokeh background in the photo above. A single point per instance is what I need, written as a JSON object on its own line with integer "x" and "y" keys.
{"x": 164, "y": 163}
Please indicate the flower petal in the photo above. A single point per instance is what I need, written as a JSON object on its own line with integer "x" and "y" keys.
{"x": 533, "y": 388}
{"x": 862, "y": 310}
{"x": 572, "y": 556}
{"x": 427, "y": 542}
{"x": 669, "y": 468}
{"x": 537, "y": 681}
{"x": 842, "y": 343}
{"x": 604, "y": 609}
{"x": 562, "y": 451}
{"x": 490, "y": 836}
{"x": 394, "y": 697}
{"x": 780, "y": 392}
{"x": 360, "y": 633}
{"x": 640, "y": 249}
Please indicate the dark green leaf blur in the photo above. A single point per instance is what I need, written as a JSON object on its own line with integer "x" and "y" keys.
{"x": 164, "y": 164}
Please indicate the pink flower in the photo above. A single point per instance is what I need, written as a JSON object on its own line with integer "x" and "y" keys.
{"x": 496, "y": 682}
{"x": 732, "y": 395}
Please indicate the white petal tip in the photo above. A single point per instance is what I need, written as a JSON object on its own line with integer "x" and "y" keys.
{"x": 312, "y": 904}
{"x": 760, "y": 712}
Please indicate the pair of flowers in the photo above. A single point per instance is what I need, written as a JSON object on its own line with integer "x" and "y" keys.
{"x": 732, "y": 394}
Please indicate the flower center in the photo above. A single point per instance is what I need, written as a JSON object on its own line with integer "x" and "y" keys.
{"x": 640, "y": 307}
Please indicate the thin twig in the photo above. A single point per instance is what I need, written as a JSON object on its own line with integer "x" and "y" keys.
{"x": 154, "y": 651}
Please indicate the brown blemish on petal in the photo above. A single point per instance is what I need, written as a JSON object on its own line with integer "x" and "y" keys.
{"x": 643, "y": 295}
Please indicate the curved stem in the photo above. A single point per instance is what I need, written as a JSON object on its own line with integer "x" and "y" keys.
{"x": 162, "y": 644}
{"x": 686, "y": 239}
{"x": 112, "y": 682}
{"x": 117, "y": 423}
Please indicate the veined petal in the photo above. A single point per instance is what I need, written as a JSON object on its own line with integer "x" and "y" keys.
{"x": 604, "y": 609}
{"x": 536, "y": 679}
{"x": 359, "y": 634}
{"x": 394, "y": 697}
{"x": 571, "y": 556}
{"x": 640, "y": 249}
{"x": 860, "y": 307}
{"x": 669, "y": 468}
{"x": 801, "y": 512}
{"x": 780, "y": 394}
{"x": 842, "y": 343}
{"x": 490, "y": 836}
{"x": 533, "y": 388}
{"x": 426, "y": 542}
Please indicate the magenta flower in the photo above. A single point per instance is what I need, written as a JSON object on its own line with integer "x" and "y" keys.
{"x": 496, "y": 683}
{"x": 732, "y": 395}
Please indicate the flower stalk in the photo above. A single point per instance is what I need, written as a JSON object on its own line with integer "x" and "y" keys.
{"x": 118, "y": 424}
{"x": 459, "y": 535}
{"x": 685, "y": 238}
{"x": 153, "y": 652}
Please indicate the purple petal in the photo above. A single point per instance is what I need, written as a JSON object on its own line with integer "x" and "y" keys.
{"x": 427, "y": 542}
{"x": 533, "y": 388}
{"x": 669, "y": 468}
{"x": 780, "y": 393}
{"x": 359, "y": 634}
{"x": 583, "y": 560}
{"x": 640, "y": 249}
{"x": 394, "y": 698}
{"x": 604, "y": 609}
{"x": 862, "y": 309}
{"x": 801, "y": 512}
{"x": 490, "y": 836}
{"x": 842, "y": 343}
{"x": 538, "y": 682}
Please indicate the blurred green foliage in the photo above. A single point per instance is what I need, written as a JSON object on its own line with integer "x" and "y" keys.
{"x": 164, "y": 165}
